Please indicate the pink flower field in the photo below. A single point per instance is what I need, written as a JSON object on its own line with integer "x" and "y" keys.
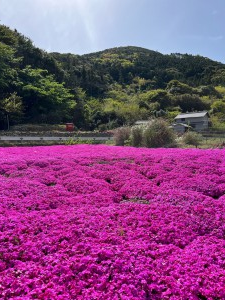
{"x": 101, "y": 222}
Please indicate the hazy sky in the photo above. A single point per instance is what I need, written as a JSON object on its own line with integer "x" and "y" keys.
{"x": 84, "y": 26}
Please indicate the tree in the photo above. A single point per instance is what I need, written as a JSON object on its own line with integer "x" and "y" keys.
{"x": 81, "y": 115}
{"x": 13, "y": 106}
{"x": 130, "y": 112}
{"x": 220, "y": 90}
{"x": 8, "y": 72}
{"x": 208, "y": 90}
{"x": 112, "y": 109}
{"x": 44, "y": 97}
{"x": 176, "y": 87}
{"x": 218, "y": 111}
{"x": 219, "y": 77}
{"x": 190, "y": 103}
{"x": 7, "y": 36}
{"x": 160, "y": 96}
{"x": 218, "y": 107}
{"x": 4, "y": 120}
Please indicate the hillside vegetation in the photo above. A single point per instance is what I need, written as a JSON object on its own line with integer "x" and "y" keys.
{"x": 106, "y": 89}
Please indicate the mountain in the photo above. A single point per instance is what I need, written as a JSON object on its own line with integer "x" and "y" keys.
{"x": 103, "y": 89}
{"x": 95, "y": 71}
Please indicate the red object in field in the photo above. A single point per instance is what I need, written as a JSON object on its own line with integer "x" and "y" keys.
{"x": 69, "y": 126}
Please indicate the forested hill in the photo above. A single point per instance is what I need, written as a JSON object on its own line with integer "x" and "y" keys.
{"x": 103, "y": 89}
{"x": 96, "y": 71}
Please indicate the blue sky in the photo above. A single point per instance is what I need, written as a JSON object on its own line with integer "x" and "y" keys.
{"x": 84, "y": 26}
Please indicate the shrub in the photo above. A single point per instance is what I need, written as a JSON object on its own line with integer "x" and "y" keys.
{"x": 137, "y": 136}
{"x": 158, "y": 134}
{"x": 192, "y": 138}
{"x": 121, "y": 135}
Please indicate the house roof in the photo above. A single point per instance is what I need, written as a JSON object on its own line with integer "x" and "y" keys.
{"x": 192, "y": 115}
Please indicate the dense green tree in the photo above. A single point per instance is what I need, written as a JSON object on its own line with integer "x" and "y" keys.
{"x": 221, "y": 90}
{"x": 7, "y": 36}
{"x": 8, "y": 71}
{"x": 160, "y": 96}
{"x": 190, "y": 103}
{"x": 218, "y": 107}
{"x": 44, "y": 97}
{"x": 208, "y": 90}
{"x": 13, "y": 106}
{"x": 81, "y": 114}
{"x": 176, "y": 87}
{"x": 218, "y": 77}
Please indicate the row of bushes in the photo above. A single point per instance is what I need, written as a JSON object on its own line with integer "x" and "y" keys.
{"x": 155, "y": 135}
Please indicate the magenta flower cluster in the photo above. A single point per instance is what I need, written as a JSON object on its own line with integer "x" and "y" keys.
{"x": 100, "y": 222}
